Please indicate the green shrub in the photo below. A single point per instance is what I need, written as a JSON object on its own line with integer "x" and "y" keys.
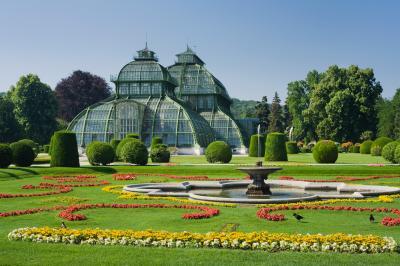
{"x": 114, "y": 144}
{"x": 254, "y": 146}
{"x": 46, "y": 148}
{"x": 22, "y": 154}
{"x": 365, "y": 147}
{"x": 325, "y": 151}
{"x": 64, "y": 150}
{"x": 155, "y": 141}
{"x": 275, "y": 148}
{"x": 397, "y": 154}
{"x": 305, "y": 149}
{"x": 6, "y": 155}
{"x": 132, "y": 136}
{"x": 160, "y": 154}
{"x": 100, "y": 153}
{"x": 32, "y": 144}
{"x": 218, "y": 152}
{"x": 51, "y": 144}
{"x": 388, "y": 151}
{"x": 291, "y": 147}
{"x": 355, "y": 148}
{"x": 134, "y": 152}
{"x": 379, "y": 142}
{"x": 121, "y": 144}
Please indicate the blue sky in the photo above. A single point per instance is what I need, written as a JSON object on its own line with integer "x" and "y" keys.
{"x": 254, "y": 47}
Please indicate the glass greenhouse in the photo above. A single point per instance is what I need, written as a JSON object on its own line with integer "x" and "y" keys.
{"x": 185, "y": 105}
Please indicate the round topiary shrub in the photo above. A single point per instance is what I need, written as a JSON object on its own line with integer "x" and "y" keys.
{"x": 218, "y": 152}
{"x": 64, "y": 150}
{"x": 160, "y": 154}
{"x": 22, "y": 154}
{"x": 46, "y": 148}
{"x": 365, "y": 147}
{"x": 325, "y": 151}
{"x": 275, "y": 147}
{"x": 257, "y": 149}
{"x": 379, "y": 142}
{"x": 32, "y": 144}
{"x": 121, "y": 144}
{"x": 6, "y": 155}
{"x": 135, "y": 152}
{"x": 291, "y": 147}
{"x": 100, "y": 153}
{"x": 155, "y": 141}
{"x": 355, "y": 148}
{"x": 132, "y": 136}
{"x": 388, "y": 151}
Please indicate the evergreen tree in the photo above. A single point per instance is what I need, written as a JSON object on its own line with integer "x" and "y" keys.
{"x": 275, "y": 116}
{"x": 262, "y": 113}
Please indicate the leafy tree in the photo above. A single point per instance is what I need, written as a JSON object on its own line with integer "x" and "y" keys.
{"x": 389, "y": 116}
{"x": 262, "y": 113}
{"x": 10, "y": 130}
{"x": 243, "y": 108}
{"x": 275, "y": 117}
{"x": 35, "y": 108}
{"x": 78, "y": 91}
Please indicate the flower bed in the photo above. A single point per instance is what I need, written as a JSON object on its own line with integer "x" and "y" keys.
{"x": 177, "y": 177}
{"x": 206, "y": 212}
{"x": 124, "y": 177}
{"x": 271, "y": 242}
{"x": 265, "y": 213}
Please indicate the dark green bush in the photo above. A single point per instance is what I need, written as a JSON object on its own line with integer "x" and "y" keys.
{"x": 6, "y": 155}
{"x": 135, "y": 152}
{"x": 155, "y": 141}
{"x": 114, "y": 144}
{"x": 325, "y": 151}
{"x": 275, "y": 148}
{"x": 51, "y": 144}
{"x": 305, "y": 149}
{"x": 32, "y": 144}
{"x": 160, "y": 154}
{"x": 291, "y": 147}
{"x": 379, "y": 142}
{"x": 397, "y": 154}
{"x": 46, "y": 148}
{"x": 254, "y": 146}
{"x": 355, "y": 148}
{"x": 121, "y": 144}
{"x": 100, "y": 153}
{"x": 22, "y": 154}
{"x": 132, "y": 136}
{"x": 218, "y": 152}
{"x": 388, "y": 151}
{"x": 64, "y": 150}
{"x": 365, "y": 147}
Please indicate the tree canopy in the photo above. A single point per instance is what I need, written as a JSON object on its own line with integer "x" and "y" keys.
{"x": 10, "y": 130}
{"x": 78, "y": 91}
{"x": 276, "y": 115}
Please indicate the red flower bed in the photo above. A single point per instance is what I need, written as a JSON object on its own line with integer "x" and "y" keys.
{"x": 123, "y": 177}
{"x": 30, "y": 211}
{"x": 265, "y": 213}
{"x": 68, "y": 213}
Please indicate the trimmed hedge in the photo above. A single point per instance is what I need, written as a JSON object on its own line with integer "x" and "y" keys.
{"x": 132, "y": 136}
{"x": 100, "y": 153}
{"x": 254, "y": 146}
{"x": 51, "y": 144}
{"x": 275, "y": 147}
{"x": 160, "y": 154}
{"x": 46, "y": 148}
{"x": 155, "y": 141}
{"x": 64, "y": 150}
{"x": 365, "y": 147}
{"x": 397, "y": 154}
{"x": 388, "y": 151}
{"x": 355, "y": 148}
{"x": 6, "y": 155}
{"x": 121, "y": 144}
{"x": 218, "y": 152}
{"x": 291, "y": 147}
{"x": 379, "y": 142}
{"x": 22, "y": 154}
{"x": 135, "y": 152}
{"x": 32, "y": 144}
{"x": 325, "y": 151}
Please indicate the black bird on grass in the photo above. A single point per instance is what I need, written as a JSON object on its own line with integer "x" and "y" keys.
{"x": 371, "y": 218}
{"x": 298, "y": 217}
{"x": 63, "y": 225}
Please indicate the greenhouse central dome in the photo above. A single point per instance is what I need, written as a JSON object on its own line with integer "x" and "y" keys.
{"x": 185, "y": 105}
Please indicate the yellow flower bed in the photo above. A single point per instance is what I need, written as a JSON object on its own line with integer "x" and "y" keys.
{"x": 138, "y": 196}
{"x": 235, "y": 240}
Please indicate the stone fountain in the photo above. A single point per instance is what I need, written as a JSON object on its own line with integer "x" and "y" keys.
{"x": 258, "y": 174}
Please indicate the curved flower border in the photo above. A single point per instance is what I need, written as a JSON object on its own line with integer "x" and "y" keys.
{"x": 265, "y": 241}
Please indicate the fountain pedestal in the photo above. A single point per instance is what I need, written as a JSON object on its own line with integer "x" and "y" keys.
{"x": 258, "y": 174}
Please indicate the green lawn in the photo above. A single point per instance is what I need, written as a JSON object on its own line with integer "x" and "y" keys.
{"x": 21, "y": 253}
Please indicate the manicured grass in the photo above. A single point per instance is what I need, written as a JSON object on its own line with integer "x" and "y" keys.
{"x": 21, "y": 253}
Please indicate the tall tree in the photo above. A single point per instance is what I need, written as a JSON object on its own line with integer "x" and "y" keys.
{"x": 275, "y": 117}
{"x": 78, "y": 91}
{"x": 262, "y": 113}
{"x": 10, "y": 130}
{"x": 389, "y": 116}
{"x": 35, "y": 108}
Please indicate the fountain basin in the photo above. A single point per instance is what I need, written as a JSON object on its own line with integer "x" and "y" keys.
{"x": 282, "y": 191}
